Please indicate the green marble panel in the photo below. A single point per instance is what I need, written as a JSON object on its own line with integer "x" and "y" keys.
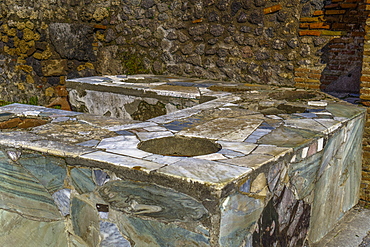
{"x": 49, "y": 170}
{"x": 82, "y": 180}
{"x": 153, "y": 233}
{"x": 19, "y": 231}
{"x": 151, "y": 200}
{"x": 239, "y": 213}
{"x": 85, "y": 220}
{"x": 344, "y": 109}
{"x": 23, "y": 193}
{"x": 303, "y": 175}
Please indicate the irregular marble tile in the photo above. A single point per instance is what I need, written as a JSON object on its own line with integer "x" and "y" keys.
{"x": 82, "y": 180}
{"x": 306, "y": 115}
{"x": 60, "y": 119}
{"x": 85, "y": 220}
{"x": 120, "y": 160}
{"x": 145, "y": 232}
{"x": 50, "y": 171}
{"x": 23, "y": 193}
{"x": 245, "y": 148}
{"x": 14, "y": 155}
{"x": 111, "y": 237}
{"x": 126, "y": 145}
{"x": 309, "y": 124}
{"x": 155, "y": 129}
{"x": 125, "y": 132}
{"x": 144, "y": 136}
{"x": 303, "y": 175}
{"x": 132, "y": 126}
{"x": 344, "y": 109}
{"x": 271, "y": 150}
{"x": 91, "y": 143}
{"x": 233, "y": 129}
{"x": 100, "y": 177}
{"x": 288, "y": 137}
{"x": 230, "y": 153}
{"x": 252, "y": 161}
{"x": 330, "y": 124}
{"x": 150, "y": 200}
{"x": 284, "y": 221}
{"x": 256, "y": 135}
{"x": 239, "y": 214}
{"x": 17, "y": 230}
{"x": 215, "y": 156}
{"x": 62, "y": 200}
{"x": 204, "y": 171}
{"x": 163, "y": 159}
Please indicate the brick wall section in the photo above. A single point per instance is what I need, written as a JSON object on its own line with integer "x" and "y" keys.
{"x": 334, "y": 36}
{"x": 365, "y": 97}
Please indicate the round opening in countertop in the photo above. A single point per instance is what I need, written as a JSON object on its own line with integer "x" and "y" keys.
{"x": 180, "y": 146}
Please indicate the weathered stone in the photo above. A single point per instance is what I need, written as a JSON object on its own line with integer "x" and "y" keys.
{"x": 235, "y": 7}
{"x": 216, "y": 30}
{"x": 243, "y": 17}
{"x": 255, "y": 18}
{"x": 54, "y": 67}
{"x": 72, "y": 41}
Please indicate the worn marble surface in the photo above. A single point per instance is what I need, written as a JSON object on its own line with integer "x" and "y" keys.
{"x": 287, "y": 170}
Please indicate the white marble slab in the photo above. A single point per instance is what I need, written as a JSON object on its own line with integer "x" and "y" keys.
{"x": 124, "y": 161}
{"x": 204, "y": 171}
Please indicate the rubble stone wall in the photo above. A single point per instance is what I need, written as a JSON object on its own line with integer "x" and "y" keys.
{"x": 278, "y": 42}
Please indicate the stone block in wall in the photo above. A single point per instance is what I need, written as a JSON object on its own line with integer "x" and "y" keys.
{"x": 73, "y": 41}
{"x": 54, "y": 67}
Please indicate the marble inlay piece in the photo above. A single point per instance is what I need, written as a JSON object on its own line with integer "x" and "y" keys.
{"x": 144, "y": 136}
{"x": 126, "y": 145}
{"x": 215, "y": 156}
{"x": 17, "y": 230}
{"x": 62, "y": 200}
{"x": 85, "y": 220}
{"x": 23, "y": 193}
{"x": 239, "y": 213}
{"x": 204, "y": 171}
{"x": 111, "y": 237}
{"x": 123, "y": 161}
{"x": 163, "y": 159}
{"x": 309, "y": 124}
{"x": 50, "y": 171}
{"x": 82, "y": 180}
{"x": 251, "y": 161}
{"x": 132, "y": 126}
{"x": 100, "y": 177}
{"x": 233, "y": 129}
{"x": 245, "y": 148}
{"x": 256, "y": 135}
{"x": 149, "y": 200}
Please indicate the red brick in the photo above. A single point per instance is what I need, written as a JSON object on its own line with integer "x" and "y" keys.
{"x": 334, "y": 12}
{"x": 318, "y": 12}
{"x": 314, "y": 76}
{"x": 348, "y": 5}
{"x": 304, "y": 25}
{"x": 320, "y": 25}
{"x": 98, "y": 26}
{"x": 302, "y": 70}
{"x": 297, "y": 79}
{"x": 272, "y": 9}
{"x": 340, "y": 26}
{"x": 330, "y": 6}
{"x": 309, "y": 33}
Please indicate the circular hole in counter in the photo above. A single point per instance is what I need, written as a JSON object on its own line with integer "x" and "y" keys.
{"x": 180, "y": 146}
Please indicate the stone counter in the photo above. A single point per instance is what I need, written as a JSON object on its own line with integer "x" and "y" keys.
{"x": 251, "y": 166}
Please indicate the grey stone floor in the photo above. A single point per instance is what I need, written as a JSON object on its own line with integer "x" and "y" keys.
{"x": 352, "y": 231}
